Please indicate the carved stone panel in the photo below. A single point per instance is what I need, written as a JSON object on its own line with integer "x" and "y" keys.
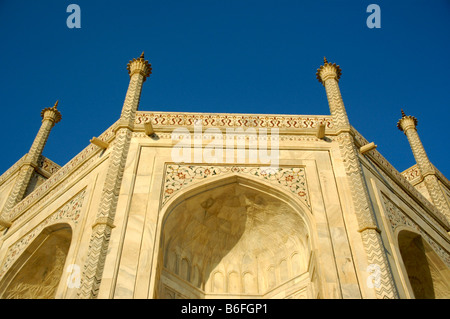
{"x": 292, "y": 179}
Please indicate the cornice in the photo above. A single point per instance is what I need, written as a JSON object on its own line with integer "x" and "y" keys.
{"x": 225, "y": 120}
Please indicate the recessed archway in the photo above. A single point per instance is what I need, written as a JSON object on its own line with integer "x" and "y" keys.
{"x": 428, "y": 276}
{"x": 37, "y": 272}
{"x": 233, "y": 240}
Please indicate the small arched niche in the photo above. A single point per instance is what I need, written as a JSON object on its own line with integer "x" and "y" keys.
{"x": 232, "y": 240}
{"x": 428, "y": 275}
{"x": 37, "y": 272}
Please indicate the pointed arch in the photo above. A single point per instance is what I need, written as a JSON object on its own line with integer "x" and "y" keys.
{"x": 248, "y": 180}
{"x": 428, "y": 276}
{"x": 36, "y": 274}
{"x": 219, "y": 219}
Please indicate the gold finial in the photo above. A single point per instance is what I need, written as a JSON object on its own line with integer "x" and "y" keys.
{"x": 403, "y": 113}
{"x": 325, "y": 60}
{"x": 142, "y": 55}
{"x": 56, "y": 104}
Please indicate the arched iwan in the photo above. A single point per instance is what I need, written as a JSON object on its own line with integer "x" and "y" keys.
{"x": 428, "y": 276}
{"x": 229, "y": 229}
{"x": 36, "y": 274}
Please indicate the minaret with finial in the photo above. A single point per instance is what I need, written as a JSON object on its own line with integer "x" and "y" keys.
{"x": 329, "y": 74}
{"x": 139, "y": 70}
{"x": 50, "y": 116}
{"x": 408, "y": 125}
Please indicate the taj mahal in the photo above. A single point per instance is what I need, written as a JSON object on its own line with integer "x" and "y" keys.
{"x": 171, "y": 205}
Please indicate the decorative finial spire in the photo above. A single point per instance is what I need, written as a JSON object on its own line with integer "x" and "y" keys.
{"x": 328, "y": 69}
{"x": 406, "y": 119}
{"x": 54, "y": 113}
{"x": 139, "y": 65}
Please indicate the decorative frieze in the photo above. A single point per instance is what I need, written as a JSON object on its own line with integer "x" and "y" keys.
{"x": 281, "y": 138}
{"x": 412, "y": 174}
{"x": 232, "y": 120}
{"x": 48, "y": 165}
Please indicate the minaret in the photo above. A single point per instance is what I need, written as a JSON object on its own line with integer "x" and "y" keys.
{"x": 139, "y": 69}
{"x": 50, "y": 116}
{"x": 408, "y": 124}
{"x": 329, "y": 75}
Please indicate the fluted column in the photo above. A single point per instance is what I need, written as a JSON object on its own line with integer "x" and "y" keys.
{"x": 408, "y": 124}
{"x": 50, "y": 116}
{"x": 138, "y": 69}
{"x": 329, "y": 75}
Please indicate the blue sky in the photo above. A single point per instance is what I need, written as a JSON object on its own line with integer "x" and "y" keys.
{"x": 240, "y": 56}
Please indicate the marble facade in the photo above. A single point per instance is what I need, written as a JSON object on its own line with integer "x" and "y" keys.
{"x": 122, "y": 219}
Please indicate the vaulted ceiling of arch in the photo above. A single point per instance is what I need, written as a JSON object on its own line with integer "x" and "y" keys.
{"x": 235, "y": 228}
